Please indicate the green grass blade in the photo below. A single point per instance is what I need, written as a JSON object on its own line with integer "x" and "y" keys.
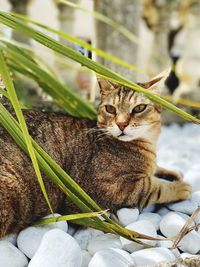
{"x": 128, "y": 34}
{"x": 98, "y": 68}
{"x": 68, "y": 217}
{"x": 14, "y": 100}
{"x": 82, "y": 43}
{"x": 70, "y": 101}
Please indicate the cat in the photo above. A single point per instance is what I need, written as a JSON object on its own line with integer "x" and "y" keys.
{"x": 113, "y": 159}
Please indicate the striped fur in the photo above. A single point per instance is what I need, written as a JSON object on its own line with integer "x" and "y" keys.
{"x": 114, "y": 172}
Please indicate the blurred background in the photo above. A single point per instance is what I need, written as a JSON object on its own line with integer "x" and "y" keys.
{"x": 149, "y": 34}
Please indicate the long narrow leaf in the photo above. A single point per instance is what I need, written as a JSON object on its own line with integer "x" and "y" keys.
{"x": 71, "y": 102}
{"x": 128, "y": 34}
{"x": 68, "y": 217}
{"x": 82, "y": 43}
{"x": 98, "y": 68}
{"x": 14, "y": 100}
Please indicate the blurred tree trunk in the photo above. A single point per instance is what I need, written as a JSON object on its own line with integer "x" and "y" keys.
{"x": 66, "y": 17}
{"x": 128, "y": 14}
{"x": 74, "y": 79}
{"x": 20, "y": 7}
{"x": 188, "y": 66}
{"x": 158, "y": 16}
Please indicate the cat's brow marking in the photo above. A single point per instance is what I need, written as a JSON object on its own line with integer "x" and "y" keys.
{"x": 119, "y": 93}
{"x": 131, "y": 94}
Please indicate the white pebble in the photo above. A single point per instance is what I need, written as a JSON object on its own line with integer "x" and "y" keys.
{"x": 186, "y": 206}
{"x": 12, "y": 238}
{"x": 127, "y": 216}
{"x": 57, "y": 248}
{"x": 168, "y": 244}
{"x": 193, "y": 178}
{"x": 171, "y": 224}
{"x": 103, "y": 241}
{"x": 86, "y": 258}
{"x": 190, "y": 243}
{"x": 196, "y": 197}
{"x": 10, "y": 256}
{"x": 181, "y": 164}
{"x": 185, "y": 217}
{"x": 142, "y": 227}
{"x": 29, "y": 239}
{"x": 163, "y": 211}
{"x": 111, "y": 258}
{"x": 151, "y": 217}
{"x": 71, "y": 229}
{"x": 152, "y": 255}
{"x": 151, "y": 208}
{"x": 83, "y": 236}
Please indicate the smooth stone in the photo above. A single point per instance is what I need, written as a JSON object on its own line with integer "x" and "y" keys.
{"x": 127, "y": 216}
{"x": 29, "y": 239}
{"x": 86, "y": 258}
{"x": 196, "y": 197}
{"x": 62, "y": 225}
{"x": 163, "y": 211}
{"x": 190, "y": 243}
{"x": 111, "y": 258}
{"x": 151, "y": 217}
{"x": 102, "y": 242}
{"x": 142, "y": 227}
{"x": 168, "y": 244}
{"x": 196, "y": 167}
{"x": 124, "y": 254}
{"x": 10, "y": 256}
{"x": 185, "y": 217}
{"x": 193, "y": 178}
{"x": 83, "y": 236}
{"x": 181, "y": 164}
{"x": 72, "y": 229}
{"x": 186, "y": 206}
{"x": 151, "y": 208}
{"x": 171, "y": 225}
{"x": 57, "y": 248}
{"x": 152, "y": 255}
{"x": 12, "y": 238}
{"x": 197, "y": 219}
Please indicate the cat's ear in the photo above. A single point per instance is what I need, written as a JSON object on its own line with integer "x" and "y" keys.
{"x": 157, "y": 83}
{"x": 106, "y": 86}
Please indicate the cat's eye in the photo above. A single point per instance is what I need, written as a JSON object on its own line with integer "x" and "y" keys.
{"x": 110, "y": 109}
{"x": 139, "y": 108}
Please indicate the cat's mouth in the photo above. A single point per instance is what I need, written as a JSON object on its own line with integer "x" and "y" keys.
{"x": 124, "y": 137}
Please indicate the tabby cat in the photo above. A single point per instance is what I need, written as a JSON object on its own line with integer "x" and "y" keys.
{"x": 113, "y": 159}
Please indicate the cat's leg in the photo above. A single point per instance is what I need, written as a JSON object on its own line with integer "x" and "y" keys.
{"x": 167, "y": 174}
{"x": 14, "y": 205}
{"x": 7, "y": 213}
{"x": 163, "y": 191}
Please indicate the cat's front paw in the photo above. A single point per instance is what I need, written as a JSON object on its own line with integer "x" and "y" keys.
{"x": 183, "y": 190}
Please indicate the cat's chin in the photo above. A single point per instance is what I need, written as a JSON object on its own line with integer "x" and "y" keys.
{"x": 125, "y": 138}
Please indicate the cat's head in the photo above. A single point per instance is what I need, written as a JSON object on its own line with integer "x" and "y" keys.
{"x": 126, "y": 114}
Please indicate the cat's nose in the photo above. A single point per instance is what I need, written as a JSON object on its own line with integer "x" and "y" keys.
{"x": 122, "y": 125}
